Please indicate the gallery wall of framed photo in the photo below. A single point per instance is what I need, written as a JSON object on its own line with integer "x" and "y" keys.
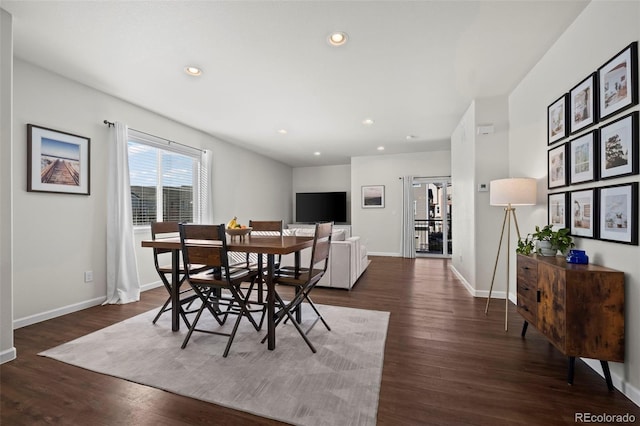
{"x": 593, "y": 140}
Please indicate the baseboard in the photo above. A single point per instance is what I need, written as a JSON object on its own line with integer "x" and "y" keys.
{"x": 381, "y": 253}
{"x": 626, "y": 388}
{"x": 8, "y": 355}
{"x": 54, "y": 313}
{"x": 151, "y": 286}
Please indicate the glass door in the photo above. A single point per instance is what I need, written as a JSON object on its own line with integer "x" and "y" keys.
{"x": 432, "y": 207}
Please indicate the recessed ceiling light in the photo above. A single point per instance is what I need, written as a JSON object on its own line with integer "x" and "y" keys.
{"x": 337, "y": 38}
{"x": 283, "y": 131}
{"x": 381, "y": 148}
{"x": 191, "y": 70}
{"x": 316, "y": 153}
{"x": 367, "y": 122}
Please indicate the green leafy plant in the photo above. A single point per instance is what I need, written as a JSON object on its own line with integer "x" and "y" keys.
{"x": 559, "y": 240}
{"x": 526, "y": 245}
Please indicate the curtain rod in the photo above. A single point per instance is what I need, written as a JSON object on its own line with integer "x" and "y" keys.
{"x": 111, "y": 124}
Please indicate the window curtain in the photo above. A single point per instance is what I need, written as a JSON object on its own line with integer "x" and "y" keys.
{"x": 206, "y": 186}
{"x": 408, "y": 223}
{"x": 123, "y": 284}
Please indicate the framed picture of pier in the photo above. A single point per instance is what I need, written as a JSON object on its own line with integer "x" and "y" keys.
{"x": 57, "y": 161}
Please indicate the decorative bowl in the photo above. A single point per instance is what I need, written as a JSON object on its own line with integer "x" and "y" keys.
{"x": 238, "y": 232}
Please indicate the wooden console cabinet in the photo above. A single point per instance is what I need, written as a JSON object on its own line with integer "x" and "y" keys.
{"x": 579, "y": 308}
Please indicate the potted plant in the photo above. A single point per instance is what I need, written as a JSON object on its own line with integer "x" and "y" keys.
{"x": 549, "y": 242}
{"x": 526, "y": 245}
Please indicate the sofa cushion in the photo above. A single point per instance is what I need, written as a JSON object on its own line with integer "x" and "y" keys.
{"x": 336, "y": 235}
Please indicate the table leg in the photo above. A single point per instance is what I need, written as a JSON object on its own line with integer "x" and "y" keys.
{"x": 271, "y": 299}
{"x": 175, "y": 291}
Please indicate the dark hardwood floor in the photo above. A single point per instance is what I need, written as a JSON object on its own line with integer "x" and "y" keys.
{"x": 446, "y": 363}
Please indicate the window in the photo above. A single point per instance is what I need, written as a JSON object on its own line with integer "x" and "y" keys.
{"x": 165, "y": 180}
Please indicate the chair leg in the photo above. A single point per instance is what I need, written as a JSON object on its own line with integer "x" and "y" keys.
{"x": 232, "y": 335}
{"x": 161, "y": 311}
{"x": 193, "y": 326}
{"x": 313, "y": 306}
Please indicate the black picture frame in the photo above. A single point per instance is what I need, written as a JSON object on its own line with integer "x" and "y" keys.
{"x": 583, "y": 158}
{"x": 557, "y": 164}
{"x": 57, "y": 162}
{"x": 618, "y": 147}
{"x": 619, "y": 213}
{"x": 558, "y": 120}
{"x": 557, "y": 211}
{"x": 583, "y": 105}
{"x": 583, "y": 205}
{"x": 618, "y": 82}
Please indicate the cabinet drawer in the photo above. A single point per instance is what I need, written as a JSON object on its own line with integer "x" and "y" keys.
{"x": 528, "y": 309}
{"x": 527, "y": 272}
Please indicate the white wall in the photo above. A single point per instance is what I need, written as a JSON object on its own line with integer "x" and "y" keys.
{"x": 57, "y": 236}
{"x": 478, "y": 159}
{"x": 463, "y": 224}
{"x": 381, "y": 229}
{"x": 322, "y": 179}
{"x": 7, "y": 351}
{"x": 603, "y": 29}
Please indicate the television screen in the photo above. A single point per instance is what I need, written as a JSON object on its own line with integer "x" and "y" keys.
{"x": 312, "y": 207}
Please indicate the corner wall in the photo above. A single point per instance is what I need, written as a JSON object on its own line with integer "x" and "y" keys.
{"x": 7, "y": 351}
{"x": 600, "y": 32}
{"x": 381, "y": 229}
{"x": 59, "y": 236}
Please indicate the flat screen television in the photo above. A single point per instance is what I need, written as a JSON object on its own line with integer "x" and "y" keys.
{"x": 312, "y": 207}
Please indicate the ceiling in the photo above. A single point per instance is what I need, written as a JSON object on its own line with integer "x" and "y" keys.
{"x": 411, "y": 66}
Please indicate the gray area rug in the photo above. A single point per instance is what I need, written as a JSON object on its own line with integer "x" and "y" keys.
{"x": 339, "y": 385}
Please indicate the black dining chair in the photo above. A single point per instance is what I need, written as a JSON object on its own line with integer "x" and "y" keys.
{"x": 218, "y": 286}
{"x": 304, "y": 279}
{"x": 186, "y": 296}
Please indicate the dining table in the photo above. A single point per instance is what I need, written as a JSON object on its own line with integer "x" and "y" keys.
{"x": 261, "y": 244}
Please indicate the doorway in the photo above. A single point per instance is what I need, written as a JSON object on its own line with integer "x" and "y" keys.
{"x": 432, "y": 208}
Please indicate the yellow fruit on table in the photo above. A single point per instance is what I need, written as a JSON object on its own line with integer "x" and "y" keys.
{"x": 238, "y": 225}
{"x": 232, "y": 223}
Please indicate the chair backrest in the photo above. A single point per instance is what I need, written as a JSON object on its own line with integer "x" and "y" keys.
{"x": 267, "y": 226}
{"x": 162, "y": 230}
{"x": 204, "y": 245}
{"x": 321, "y": 245}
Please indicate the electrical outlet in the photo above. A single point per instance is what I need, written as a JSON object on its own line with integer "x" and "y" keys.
{"x": 88, "y": 276}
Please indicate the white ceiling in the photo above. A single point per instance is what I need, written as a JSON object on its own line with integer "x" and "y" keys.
{"x": 411, "y": 66}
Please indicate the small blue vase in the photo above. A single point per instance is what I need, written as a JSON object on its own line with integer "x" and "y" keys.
{"x": 577, "y": 256}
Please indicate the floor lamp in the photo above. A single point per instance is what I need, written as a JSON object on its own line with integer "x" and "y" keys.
{"x": 509, "y": 193}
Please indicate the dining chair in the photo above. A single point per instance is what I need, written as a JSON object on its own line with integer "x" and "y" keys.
{"x": 218, "y": 286}
{"x": 304, "y": 279}
{"x": 269, "y": 228}
{"x": 186, "y": 296}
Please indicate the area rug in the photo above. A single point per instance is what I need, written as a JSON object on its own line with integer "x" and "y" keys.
{"x": 338, "y": 385}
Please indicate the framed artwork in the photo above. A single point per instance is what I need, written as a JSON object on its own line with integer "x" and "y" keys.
{"x": 372, "y": 196}
{"x": 557, "y": 167}
{"x": 582, "y": 162}
{"x": 618, "y": 80}
{"x": 557, "y": 205}
{"x": 57, "y": 161}
{"x": 583, "y": 210}
{"x": 619, "y": 147}
{"x": 619, "y": 213}
{"x": 557, "y": 118}
{"x": 583, "y": 104}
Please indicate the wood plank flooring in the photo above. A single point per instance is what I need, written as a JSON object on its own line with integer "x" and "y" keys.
{"x": 446, "y": 363}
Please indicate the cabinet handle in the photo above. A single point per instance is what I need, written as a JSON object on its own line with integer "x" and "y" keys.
{"x": 538, "y": 296}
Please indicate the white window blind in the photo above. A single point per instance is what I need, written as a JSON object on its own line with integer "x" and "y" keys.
{"x": 165, "y": 180}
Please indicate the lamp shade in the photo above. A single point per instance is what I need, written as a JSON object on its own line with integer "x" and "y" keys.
{"x": 513, "y": 191}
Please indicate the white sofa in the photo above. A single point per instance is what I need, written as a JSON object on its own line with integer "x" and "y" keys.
{"x": 347, "y": 259}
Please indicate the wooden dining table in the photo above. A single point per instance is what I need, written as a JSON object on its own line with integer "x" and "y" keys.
{"x": 260, "y": 244}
